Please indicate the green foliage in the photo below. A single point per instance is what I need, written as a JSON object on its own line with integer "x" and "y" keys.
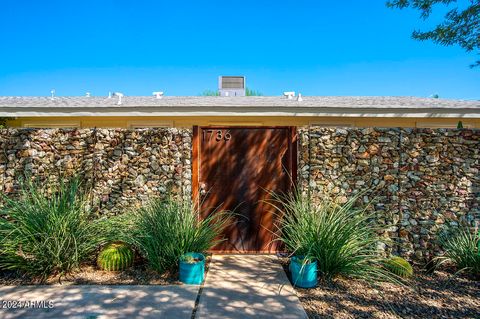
{"x": 43, "y": 234}
{"x": 460, "y": 125}
{"x": 399, "y": 267}
{"x": 462, "y": 248}
{"x": 116, "y": 256}
{"x": 189, "y": 259}
{"x": 342, "y": 239}
{"x": 460, "y": 26}
{"x": 3, "y": 122}
{"x": 210, "y": 93}
{"x": 165, "y": 229}
{"x": 250, "y": 92}
{"x": 305, "y": 260}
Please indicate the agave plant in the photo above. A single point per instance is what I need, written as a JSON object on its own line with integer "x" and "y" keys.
{"x": 343, "y": 239}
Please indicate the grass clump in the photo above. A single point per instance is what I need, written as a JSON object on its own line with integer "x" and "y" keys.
{"x": 165, "y": 229}
{"x": 462, "y": 248}
{"x": 343, "y": 239}
{"x": 43, "y": 234}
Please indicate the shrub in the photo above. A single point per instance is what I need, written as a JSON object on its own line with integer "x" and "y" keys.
{"x": 461, "y": 248}
{"x": 250, "y": 92}
{"x": 210, "y": 93}
{"x": 116, "y": 256}
{"x": 165, "y": 229}
{"x": 342, "y": 239}
{"x": 399, "y": 267}
{"x": 43, "y": 234}
{"x": 3, "y": 122}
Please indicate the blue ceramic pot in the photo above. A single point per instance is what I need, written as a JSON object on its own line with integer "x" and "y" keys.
{"x": 303, "y": 275}
{"x": 192, "y": 273}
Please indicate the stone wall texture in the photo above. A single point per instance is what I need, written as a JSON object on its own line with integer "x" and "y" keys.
{"x": 123, "y": 167}
{"x": 415, "y": 180}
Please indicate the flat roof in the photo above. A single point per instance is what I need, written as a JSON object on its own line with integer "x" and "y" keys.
{"x": 354, "y": 106}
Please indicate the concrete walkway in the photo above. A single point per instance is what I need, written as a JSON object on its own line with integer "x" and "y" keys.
{"x": 100, "y": 301}
{"x": 248, "y": 286}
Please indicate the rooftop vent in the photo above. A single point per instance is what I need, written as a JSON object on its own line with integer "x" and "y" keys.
{"x": 231, "y": 85}
{"x": 158, "y": 95}
{"x": 119, "y": 95}
{"x": 289, "y": 95}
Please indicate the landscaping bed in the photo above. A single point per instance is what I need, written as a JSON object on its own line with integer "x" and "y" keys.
{"x": 57, "y": 238}
{"x": 91, "y": 275}
{"x": 441, "y": 295}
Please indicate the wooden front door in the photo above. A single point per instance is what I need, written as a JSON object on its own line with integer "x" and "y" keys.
{"x": 235, "y": 168}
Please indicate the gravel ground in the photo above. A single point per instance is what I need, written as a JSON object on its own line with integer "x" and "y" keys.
{"x": 91, "y": 275}
{"x": 441, "y": 295}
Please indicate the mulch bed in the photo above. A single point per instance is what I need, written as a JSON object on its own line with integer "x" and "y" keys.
{"x": 89, "y": 274}
{"x": 441, "y": 295}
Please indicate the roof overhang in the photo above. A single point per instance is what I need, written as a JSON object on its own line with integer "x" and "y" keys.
{"x": 151, "y": 111}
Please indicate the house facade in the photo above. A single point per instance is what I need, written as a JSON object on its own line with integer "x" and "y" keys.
{"x": 419, "y": 172}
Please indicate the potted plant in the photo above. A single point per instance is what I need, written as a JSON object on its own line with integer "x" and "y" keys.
{"x": 304, "y": 271}
{"x": 192, "y": 268}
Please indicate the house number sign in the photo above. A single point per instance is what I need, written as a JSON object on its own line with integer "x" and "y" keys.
{"x": 217, "y": 135}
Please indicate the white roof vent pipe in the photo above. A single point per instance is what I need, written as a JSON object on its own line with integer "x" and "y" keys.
{"x": 289, "y": 95}
{"x": 87, "y": 94}
{"x": 119, "y": 95}
{"x": 158, "y": 95}
{"x": 299, "y": 98}
{"x": 109, "y": 95}
{"x": 52, "y": 94}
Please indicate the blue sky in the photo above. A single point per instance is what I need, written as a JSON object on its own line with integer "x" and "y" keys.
{"x": 318, "y": 47}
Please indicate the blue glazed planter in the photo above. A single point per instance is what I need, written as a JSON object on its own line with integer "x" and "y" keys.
{"x": 192, "y": 273}
{"x": 303, "y": 276}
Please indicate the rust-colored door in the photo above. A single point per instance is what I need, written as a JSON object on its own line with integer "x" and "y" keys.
{"x": 236, "y": 169}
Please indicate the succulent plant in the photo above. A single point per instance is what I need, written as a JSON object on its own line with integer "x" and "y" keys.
{"x": 189, "y": 259}
{"x": 399, "y": 266}
{"x": 116, "y": 256}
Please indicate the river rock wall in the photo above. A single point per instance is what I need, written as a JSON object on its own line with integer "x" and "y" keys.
{"x": 414, "y": 180}
{"x": 123, "y": 168}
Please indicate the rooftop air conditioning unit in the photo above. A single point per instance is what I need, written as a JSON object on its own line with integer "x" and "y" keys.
{"x": 231, "y": 85}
